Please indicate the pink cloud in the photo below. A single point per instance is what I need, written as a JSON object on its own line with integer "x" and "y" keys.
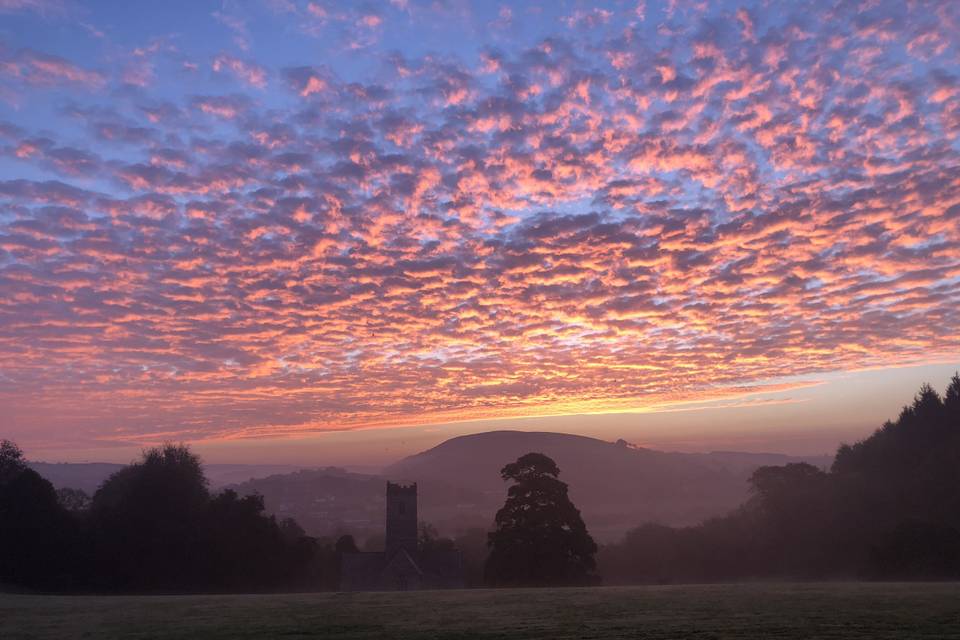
{"x": 40, "y": 69}
{"x": 248, "y": 72}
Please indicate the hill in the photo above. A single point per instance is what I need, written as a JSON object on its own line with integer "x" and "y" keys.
{"x": 615, "y": 485}
{"x": 325, "y": 502}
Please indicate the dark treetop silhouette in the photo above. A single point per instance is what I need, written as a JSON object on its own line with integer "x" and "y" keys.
{"x": 540, "y": 537}
{"x": 39, "y": 541}
{"x": 152, "y": 526}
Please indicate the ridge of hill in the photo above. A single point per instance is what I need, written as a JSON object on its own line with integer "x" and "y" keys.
{"x": 617, "y": 486}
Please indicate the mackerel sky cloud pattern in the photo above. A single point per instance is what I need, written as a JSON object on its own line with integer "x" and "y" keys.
{"x": 257, "y": 219}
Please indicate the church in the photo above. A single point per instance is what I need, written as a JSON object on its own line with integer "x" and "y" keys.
{"x": 401, "y": 565}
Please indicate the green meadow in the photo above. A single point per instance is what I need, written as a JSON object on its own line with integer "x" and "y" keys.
{"x": 843, "y": 610}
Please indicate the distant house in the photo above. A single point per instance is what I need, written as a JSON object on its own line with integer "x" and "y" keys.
{"x": 401, "y": 565}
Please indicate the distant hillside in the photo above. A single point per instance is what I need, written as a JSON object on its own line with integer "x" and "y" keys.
{"x": 325, "y": 502}
{"x": 75, "y": 475}
{"x": 332, "y": 501}
{"x": 615, "y": 485}
{"x": 89, "y": 475}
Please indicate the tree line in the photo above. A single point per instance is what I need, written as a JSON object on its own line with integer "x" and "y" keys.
{"x": 888, "y": 508}
{"x": 153, "y": 526}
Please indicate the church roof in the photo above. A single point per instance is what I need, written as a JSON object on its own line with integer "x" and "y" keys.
{"x": 402, "y": 561}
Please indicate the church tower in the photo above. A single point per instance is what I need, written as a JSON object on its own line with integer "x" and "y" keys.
{"x": 401, "y": 519}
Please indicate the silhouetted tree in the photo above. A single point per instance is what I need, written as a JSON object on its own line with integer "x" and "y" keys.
{"x": 889, "y": 508}
{"x": 791, "y": 507}
{"x": 951, "y": 399}
{"x": 540, "y": 538}
{"x": 147, "y": 520}
{"x": 430, "y": 540}
{"x": 11, "y": 461}
{"x": 324, "y": 568}
{"x": 151, "y": 526}
{"x": 290, "y": 529}
{"x": 157, "y": 528}
{"x": 917, "y": 550}
{"x": 473, "y": 548}
{"x": 245, "y": 549}
{"x": 39, "y": 541}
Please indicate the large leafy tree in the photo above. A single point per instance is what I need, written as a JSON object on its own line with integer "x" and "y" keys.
{"x": 152, "y": 526}
{"x": 39, "y": 542}
{"x": 158, "y": 528}
{"x": 148, "y": 521}
{"x": 540, "y": 538}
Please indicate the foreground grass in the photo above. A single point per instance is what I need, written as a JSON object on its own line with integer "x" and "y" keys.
{"x": 700, "y": 611}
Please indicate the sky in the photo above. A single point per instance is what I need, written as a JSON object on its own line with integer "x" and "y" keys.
{"x": 307, "y": 231}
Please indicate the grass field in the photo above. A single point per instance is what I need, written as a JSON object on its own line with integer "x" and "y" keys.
{"x": 701, "y": 611}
